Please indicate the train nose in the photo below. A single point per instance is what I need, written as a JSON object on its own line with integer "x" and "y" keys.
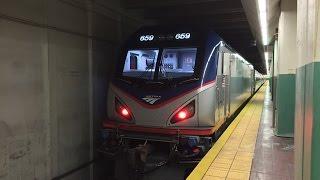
{"x": 178, "y": 113}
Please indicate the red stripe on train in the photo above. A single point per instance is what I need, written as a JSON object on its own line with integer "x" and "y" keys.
{"x": 165, "y": 102}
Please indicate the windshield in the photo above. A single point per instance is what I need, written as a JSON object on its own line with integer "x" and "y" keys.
{"x": 177, "y": 63}
{"x": 140, "y": 63}
{"x": 174, "y": 63}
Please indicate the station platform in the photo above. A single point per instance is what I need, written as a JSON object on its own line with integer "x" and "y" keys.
{"x": 248, "y": 148}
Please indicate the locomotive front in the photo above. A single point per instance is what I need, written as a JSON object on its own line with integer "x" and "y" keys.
{"x": 157, "y": 88}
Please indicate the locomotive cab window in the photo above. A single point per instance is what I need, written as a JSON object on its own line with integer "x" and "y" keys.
{"x": 140, "y": 63}
{"x": 177, "y": 63}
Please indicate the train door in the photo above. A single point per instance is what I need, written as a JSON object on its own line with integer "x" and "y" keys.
{"x": 253, "y": 82}
{"x": 226, "y": 82}
{"x": 222, "y": 91}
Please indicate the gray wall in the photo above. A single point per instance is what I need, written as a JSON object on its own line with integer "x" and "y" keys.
{"x": 56, "y": 57}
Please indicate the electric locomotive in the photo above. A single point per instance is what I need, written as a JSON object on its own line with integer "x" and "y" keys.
{"x": 176, "y": 85}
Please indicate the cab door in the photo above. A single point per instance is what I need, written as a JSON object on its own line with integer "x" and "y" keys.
{"x": 223, "y": 86}
{"x": 220, "y": 90}
{"x": 226, "y": 80}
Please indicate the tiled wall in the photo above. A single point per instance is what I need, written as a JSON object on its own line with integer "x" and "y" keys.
{"x": 56, "y": 57}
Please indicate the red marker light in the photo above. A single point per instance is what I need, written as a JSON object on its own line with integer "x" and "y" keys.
{"x": 196, "y": 150}
{"x": 124, "y": 112}
{"x": 186, "y": 112}
{"x": 182, "y": 114}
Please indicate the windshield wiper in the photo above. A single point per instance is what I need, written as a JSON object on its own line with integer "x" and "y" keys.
{"x": 163, "y": 72}
{"x": 148, "y": 71}
{"x": 188, "y": 80}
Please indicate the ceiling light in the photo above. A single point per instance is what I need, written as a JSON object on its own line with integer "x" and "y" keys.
{"x": 262, "y": 4}
{"x": 266, "y": 57}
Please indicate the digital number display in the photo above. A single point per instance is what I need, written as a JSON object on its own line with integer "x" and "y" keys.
{"x": 183, "y": 36}
{"x": 147, "y": 38}
{"x": 167, "y": 37}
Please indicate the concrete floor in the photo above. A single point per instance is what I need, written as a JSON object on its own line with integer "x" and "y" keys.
{"x": 273, "y": 157}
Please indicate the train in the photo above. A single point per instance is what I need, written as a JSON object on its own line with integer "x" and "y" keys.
{"x": 177, "y": 85}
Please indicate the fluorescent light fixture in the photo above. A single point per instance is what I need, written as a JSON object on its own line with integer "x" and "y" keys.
{"x": 262, "y": 4}
{"x": 266, "y": 57}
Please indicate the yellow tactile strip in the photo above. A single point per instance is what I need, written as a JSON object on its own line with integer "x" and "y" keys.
{"x": 231, "y": 156}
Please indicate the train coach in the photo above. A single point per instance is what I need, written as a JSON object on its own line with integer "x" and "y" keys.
{"x": 176, "y": 85}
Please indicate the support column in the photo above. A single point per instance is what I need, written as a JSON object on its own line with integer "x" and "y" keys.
{"x": 307, "y": 118}
{"x": 284, "y": 101}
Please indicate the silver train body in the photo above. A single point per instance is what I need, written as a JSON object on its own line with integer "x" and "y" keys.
{"x": 215, "y": 93}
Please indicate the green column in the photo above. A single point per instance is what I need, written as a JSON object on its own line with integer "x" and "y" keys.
{"x": 285, "y": 105}
{"x": 312, "y": 115}
{"x": 307, "y": 150}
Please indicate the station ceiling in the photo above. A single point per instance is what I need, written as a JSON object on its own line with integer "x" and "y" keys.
{"x": 227, "y": 17}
